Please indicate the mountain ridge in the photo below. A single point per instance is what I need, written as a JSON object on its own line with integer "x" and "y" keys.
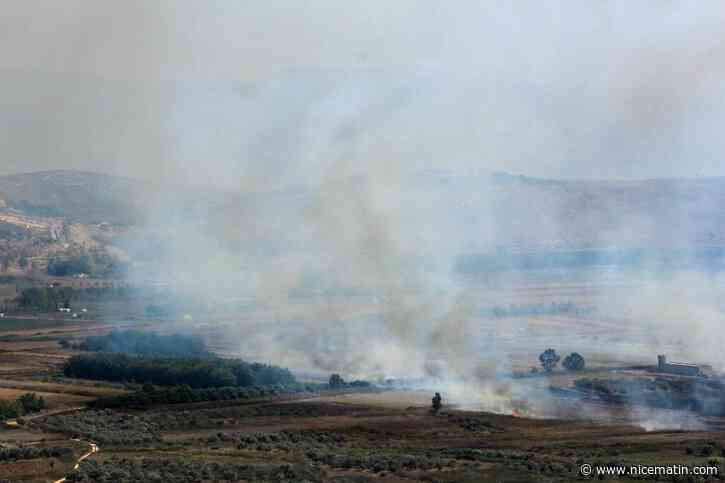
{"x": 507, "y": 210}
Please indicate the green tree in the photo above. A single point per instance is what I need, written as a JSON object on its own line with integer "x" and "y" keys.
{"x": 574, "y": 362}
{"x": 31, "y": 403}
{"x": 549, "y": 359}
{"x": 336, "y": 381}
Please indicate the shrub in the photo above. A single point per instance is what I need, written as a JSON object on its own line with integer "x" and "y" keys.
{"x": 9, "y": 409}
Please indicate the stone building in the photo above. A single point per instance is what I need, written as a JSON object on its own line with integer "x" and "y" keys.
{"x": 678, "y": 368}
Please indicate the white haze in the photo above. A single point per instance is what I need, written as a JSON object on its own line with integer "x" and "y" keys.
{"x": 318, "y": 118}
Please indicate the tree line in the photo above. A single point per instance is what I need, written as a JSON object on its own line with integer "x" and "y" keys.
{"x": 45, "y": 299}
{"x": 96, "y": 263}
{"x": 52, "y": 298}
{"x": 151, "y": 396}
{"x": 167, "y": 371}
{"x": 337, "y": 382}
{"x": 554, "y": 308}
{"x": 147, "y": 343}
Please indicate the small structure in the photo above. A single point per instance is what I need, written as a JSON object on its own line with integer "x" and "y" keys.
{"x": 678, "y": 368}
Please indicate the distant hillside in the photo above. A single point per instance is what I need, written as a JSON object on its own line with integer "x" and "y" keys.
{"x": 487, "y": 212}
{"x": 658, "y": 213}
{"x": 74, "y": 195}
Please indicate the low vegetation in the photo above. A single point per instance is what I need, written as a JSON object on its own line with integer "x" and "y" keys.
{"x": 164, "y": 470}
{"x": 377, "y": 463}
{"x": 105, "y": 427}
{"x": 29, "y": 453}
{"x": 117, "y": 426}
{"x": 185, "y": 394}
{"x": 305, "y": 439}
{"x": 700, "y": 395}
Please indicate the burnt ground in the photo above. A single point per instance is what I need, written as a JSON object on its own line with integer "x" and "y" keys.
{"x": 325, "y": 440}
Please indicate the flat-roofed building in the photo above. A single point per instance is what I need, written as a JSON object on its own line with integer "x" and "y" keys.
{"x": 679, "y": 368}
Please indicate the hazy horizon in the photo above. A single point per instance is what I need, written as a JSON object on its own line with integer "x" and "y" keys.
{"x": 423, "y": 171}
{"x": 266, "y": 95}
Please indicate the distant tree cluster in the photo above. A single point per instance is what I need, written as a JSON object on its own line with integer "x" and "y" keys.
{"x": 147, "y": 343}
{"x": 64, "y": 267}
{"x": 95, "y": 263}
{"x": 554, "y": 308}
{"x": 194, "y": 372}
{"x": 25, "y": 404}
{"x": 45, "y": 299}
{"x": 549, "y": 359}
{"x": 50, "y": 299}
{"x": 337, "y": 382}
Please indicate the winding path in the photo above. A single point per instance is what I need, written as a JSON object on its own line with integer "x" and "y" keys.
{"x": 93, "y": 449}
{"x": 13, "y": 423}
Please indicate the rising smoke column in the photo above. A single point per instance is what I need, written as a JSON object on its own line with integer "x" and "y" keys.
{"x": 308, "y": 124}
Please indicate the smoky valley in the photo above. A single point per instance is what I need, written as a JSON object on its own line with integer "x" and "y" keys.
{"x": 139, "y": 346}
{"x": 362, "y": 241}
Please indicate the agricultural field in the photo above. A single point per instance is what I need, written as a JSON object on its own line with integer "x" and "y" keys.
{"x": 508, "y": 428}
{"x": 361, "y": 439}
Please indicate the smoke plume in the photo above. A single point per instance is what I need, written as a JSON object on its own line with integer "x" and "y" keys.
{"x": 335, "y": 163}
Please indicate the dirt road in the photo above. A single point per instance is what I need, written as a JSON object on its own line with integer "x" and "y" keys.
{"x": 93, "y": 449}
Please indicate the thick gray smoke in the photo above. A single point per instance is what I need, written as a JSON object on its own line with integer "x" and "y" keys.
{"x": 162, "y": 89}
{"x": 340, "y": 155}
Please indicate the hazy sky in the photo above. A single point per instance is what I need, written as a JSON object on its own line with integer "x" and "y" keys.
{"x": 223, "y": 91}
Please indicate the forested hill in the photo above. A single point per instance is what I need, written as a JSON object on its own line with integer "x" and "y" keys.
{"x": 74, "y": 195}
{"x": 499, "y": 210}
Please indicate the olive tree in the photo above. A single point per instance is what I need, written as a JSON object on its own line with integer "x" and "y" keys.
{"x": 549, "y": 359}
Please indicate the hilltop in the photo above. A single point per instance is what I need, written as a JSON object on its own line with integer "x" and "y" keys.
{"x": 76, "y": 196}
